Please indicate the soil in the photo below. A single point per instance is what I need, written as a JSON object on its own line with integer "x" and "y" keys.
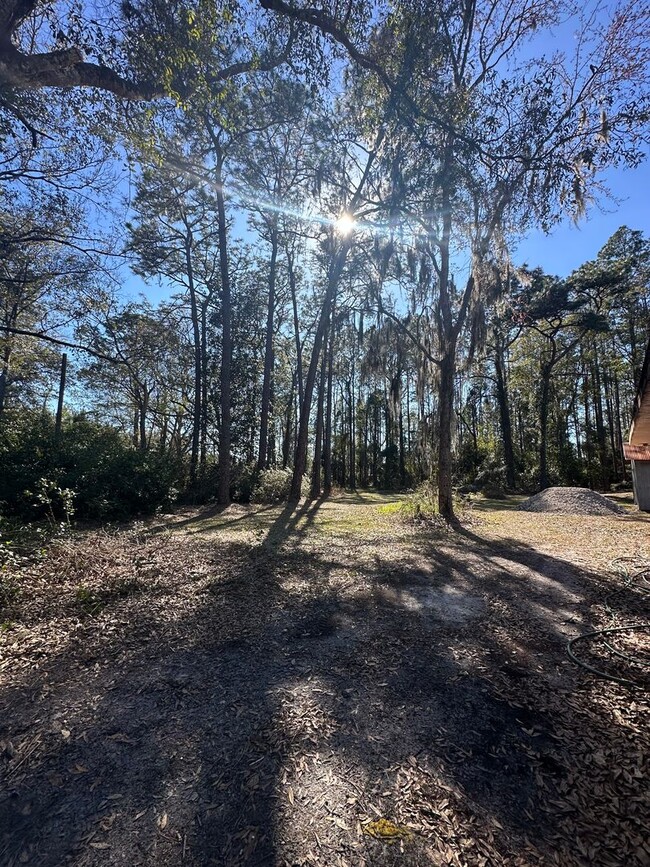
{"x": 570, "y": 501}
{"x": 325, "y": 686}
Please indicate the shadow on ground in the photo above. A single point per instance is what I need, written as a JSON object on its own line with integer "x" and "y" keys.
{"x": 315, "y": 686}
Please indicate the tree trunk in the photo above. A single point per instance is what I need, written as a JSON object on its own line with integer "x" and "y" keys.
{"x": 327, "y": 449}
{"x": 351, "y": 428}
{"x": 318, "y": 433}
{"x": 445, "y": 410}
{"x": 600, "y": 425}
{"x": 144, "y": 406}
{"x": 335, "y": 270}
{"x": 296, "y": 325}
{"x": 262, "y": 455}
{"x": 223, "y": 492}
{"x": 504, "y": 415}
{"x": 286, "y": 442}
{"x": 4, "y": 375}
{"x": 619, "y": 429}
{"x": 543, "y": 427}
{"x": 59, "y": 406}
{"x": 196, "y": 337}
{"x": 204, "y": 384}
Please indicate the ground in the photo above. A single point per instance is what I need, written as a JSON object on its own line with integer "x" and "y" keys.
{"x": 261, "y": 686}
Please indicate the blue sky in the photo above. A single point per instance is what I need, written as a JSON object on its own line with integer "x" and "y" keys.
{"x": 569, "y": 245}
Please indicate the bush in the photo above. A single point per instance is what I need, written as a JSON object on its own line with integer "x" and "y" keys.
{"x": 493, "y": 491}
{"x": 273, "y": 486}
{"x": 421, "y": 505}
{"x": 244, "y": 480}
{"x": 92, "y": 470}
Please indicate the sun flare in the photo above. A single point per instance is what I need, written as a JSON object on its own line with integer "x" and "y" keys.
{"x": 345, "y": 224}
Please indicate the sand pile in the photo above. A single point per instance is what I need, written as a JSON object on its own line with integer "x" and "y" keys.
{"x": 571, "y": 501}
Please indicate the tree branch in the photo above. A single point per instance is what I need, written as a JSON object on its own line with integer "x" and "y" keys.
{"x": 58, "y": 342}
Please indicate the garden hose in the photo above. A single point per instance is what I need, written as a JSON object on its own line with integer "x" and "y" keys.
{"x": 637, "y": 581}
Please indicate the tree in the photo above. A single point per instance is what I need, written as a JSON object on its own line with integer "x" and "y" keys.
{"x": 481, "y": 145}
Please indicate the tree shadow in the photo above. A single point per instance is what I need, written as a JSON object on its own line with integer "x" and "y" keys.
{"x": 311, "y": 690}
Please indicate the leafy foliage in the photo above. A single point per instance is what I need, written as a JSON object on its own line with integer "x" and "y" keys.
{"x": 91, "y": 469}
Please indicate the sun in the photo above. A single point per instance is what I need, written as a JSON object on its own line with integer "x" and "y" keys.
{"x": 345, "y": 224}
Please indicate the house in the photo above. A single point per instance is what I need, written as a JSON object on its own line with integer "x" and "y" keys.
{"x": 637, "y": 449}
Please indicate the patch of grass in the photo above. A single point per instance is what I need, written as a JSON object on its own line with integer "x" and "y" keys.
{"x": 92, "y": 601}
{"x": 391, "y": 508}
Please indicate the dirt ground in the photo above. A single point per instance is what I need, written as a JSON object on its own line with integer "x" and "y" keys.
{"x": 261, "y": 687}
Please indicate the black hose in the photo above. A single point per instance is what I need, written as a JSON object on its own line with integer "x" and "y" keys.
{"x": 630, "y": 584}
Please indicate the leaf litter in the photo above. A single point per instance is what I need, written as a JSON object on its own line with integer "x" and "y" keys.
{"x": 238, "y": 697}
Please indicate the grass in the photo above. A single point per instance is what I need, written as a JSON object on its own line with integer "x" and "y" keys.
{"x": 351, "y": 512}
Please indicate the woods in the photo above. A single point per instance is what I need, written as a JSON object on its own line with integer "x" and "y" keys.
{"x": 331, "y": 243}
{"x": 318, "y": 541}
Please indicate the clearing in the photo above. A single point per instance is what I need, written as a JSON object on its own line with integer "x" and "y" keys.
{"x": 258, "y": 686}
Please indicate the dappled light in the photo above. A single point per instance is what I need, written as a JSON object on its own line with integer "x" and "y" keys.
{"x": 273, "y": 681}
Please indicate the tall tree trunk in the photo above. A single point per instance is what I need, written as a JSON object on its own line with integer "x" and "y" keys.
{"x": 600, "y": 426}
{"x": 375, "y": 445}
{"x": 204, "y": 384}
{"x": 262, "y": 455}
{"x": 59, "y": 406}
{"x": 144, "y": 406}
{"x": 445, "y": 410}
{"x": 619, "y": 428}
{"x": 223, "y": 493}
{"x": 353, "y": 456}
{"x": 318, "y": 433}
{"x": 327, "y": 448}
{"x": 588, "y": 444}
{"x": 296, "y": 325}
{"x": 611, "y": 428}
{"x": 334, "y": 275}
{"x": 4, "y": 375}
{"x": 504, "y": 415}
{"x": 196, "y": 337}
{"x": 288, "y": 430}
{"x": 545, "y": 377}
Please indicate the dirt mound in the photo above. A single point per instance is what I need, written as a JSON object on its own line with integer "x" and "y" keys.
{"x": 571, "y": 501}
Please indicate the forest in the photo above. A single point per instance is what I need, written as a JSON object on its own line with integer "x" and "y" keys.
{"x": 335, "y": 302}
{"x": 317, "y": 537}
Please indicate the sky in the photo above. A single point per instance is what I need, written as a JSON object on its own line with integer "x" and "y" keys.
{"x": 569, "y": 245}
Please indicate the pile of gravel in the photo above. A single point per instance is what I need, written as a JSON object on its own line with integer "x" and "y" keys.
{"x": 571, "y": 501}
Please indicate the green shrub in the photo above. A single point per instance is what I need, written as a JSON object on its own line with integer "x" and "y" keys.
{"x": 272, "y": 486}
{"x": 493, "y": 491}
{"x": 92, "y": 467}
{"x": 421, "y": 504}
{"x": 244, "y": 480}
